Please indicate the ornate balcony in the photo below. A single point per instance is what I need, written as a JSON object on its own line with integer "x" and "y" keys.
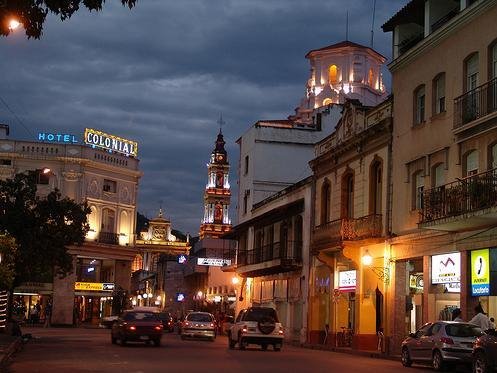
{"x": 475, "y": 104}
{"x": 467, "y": 203}
{"x": 333, "y": 233}
{"x": 270, "y": 259}
{"x": 109, "y": 238}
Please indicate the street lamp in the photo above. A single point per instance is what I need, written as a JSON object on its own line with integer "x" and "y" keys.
{"x": 14, "y": 24}
{"x": 383, "y": 273}
{"x": 367, "y": 259}
{"x": 235, "y": 280}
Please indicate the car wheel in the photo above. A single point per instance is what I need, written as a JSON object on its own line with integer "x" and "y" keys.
{"x": 480, "y": 364}
{"x": 123, "y": 341}
{"x": 405, "y": 357}
{"x": 438, "y": 362}
{"x": 241, "y": 344}
{"x": 264, "y": 347}
{"x": 157, "y": 342}
{"x": 231, "y": 343}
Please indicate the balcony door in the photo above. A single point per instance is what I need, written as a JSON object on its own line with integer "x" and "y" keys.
{"x": 376, "y": 187}
{"x": 348, "y": 196}
{"x": 471, "y": 82}
{"x": 108, "y": 221}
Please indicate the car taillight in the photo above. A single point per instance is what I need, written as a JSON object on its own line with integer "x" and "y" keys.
{"x": 132, "y": 327}
{"x": 186, "y": 323}
{"x": 244, "y": 329}
{"x": 446, "y": 340}
{"x": 158, "y": 327}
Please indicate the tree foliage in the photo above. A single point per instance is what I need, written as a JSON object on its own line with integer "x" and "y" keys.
{"x": 42, "y": 228}
{"x": 32, "y": 13}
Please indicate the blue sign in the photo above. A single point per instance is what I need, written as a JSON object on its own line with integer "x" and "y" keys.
{"x": 180, "y": 297}
{"x": 57, "y": 137}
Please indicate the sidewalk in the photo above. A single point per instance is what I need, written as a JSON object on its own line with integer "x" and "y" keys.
{"x": 8, "y": 346}
{"x": 347, "y": 350}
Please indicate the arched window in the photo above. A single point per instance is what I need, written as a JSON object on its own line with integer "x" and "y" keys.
{"x": 419, "y": 104}
{"x": 493, "y": 61}
{"x": 439, "y": 93}
{"x": 348, "y": 196}
{"x": 471, "y": 163}
{"x": 419, "y": 186}
{"x": 333, "y": 73}
{"x": 371, "y": 78}
{"x": 325, "y": 202}
{"x": 375, "y": 187}
{"x": 327, "y": 101}
{"x": 492, "y": 156}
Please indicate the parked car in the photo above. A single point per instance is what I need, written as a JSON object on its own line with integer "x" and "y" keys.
{"x": 108, "y": 321}
{"x": 256, "y": 325}
{"x": 137, "y": 326}
{"x": 485, "y": 353}
{"x": 441, "y": 343}
{"x": 199, "y": 325}
{"x": 167, "y": 321}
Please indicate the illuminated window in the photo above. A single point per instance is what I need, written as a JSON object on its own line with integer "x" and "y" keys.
{"x": 137, "y": 263}
{"x": 333, "y": 74}
{"x": 371, "y": 78}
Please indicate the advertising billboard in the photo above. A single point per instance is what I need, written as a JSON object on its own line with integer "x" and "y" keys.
{"x": 480, "y": 272}
{"x": 347, "y": 280}
{"x": 446, "y": 268}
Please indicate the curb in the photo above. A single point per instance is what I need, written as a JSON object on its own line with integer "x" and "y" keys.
{"x": 12, "y": 348}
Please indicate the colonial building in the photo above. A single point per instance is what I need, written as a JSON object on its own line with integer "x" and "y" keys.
{"x": 108, "y": 181}
{"x": 352, "y": 194}
{"x": 444, "y": 139}
{"x": 156, "y": 269}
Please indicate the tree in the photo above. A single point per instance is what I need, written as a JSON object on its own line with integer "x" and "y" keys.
{"x": 42, "y": 229}
{"x": 8, "y": 249}
{"x": 32, "y": 13}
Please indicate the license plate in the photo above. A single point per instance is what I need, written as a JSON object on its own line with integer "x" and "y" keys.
{"x": 144, "y": 337}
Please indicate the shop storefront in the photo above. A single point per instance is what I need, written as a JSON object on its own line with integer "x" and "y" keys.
{"x": 484, "y": 279}
{"x": 445, "y": 288}
{"x": 92, "y": 301}
{"x": 31, "y": 300}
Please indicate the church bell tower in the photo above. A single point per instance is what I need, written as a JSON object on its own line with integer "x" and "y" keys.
{"x": 217, "y": 193}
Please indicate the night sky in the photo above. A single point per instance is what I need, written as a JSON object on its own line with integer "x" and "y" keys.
{"x": 163, "y": 72}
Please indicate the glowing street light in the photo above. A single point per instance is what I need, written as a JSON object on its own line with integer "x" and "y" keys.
{"x": 367, "y": 259}
{"x": 14, "y": 24}
{"x": 235, "y": 280}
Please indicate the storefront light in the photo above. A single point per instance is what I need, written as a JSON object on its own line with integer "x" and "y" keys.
{"x": 199, "y": 294}
{"x": 139, "y": 296}
{"x": 235, "y": 280}
{"x": 159, "y": 298}
{"x": 145, "y": 296}
{"x": 367, "y": 259}
{"x": 133, "y": 302}
{"x": 150, "y": 295}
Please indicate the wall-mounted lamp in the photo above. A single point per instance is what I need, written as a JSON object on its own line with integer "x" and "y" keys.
{"x": 383, "y": 273}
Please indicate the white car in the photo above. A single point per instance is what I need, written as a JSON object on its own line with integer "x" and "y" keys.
{"x": 256, "y": 325}
{"x": 199, "y": 325}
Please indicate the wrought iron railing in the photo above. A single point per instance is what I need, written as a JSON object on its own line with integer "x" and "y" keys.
{"x": 460, "y": 197}
{"x": 349, "y": 229}
{"x": 291, "y": 250}
{"x": 475, "y": 104}
{"x": 108, "y": 237}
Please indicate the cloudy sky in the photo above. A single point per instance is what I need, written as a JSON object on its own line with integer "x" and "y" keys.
{"x": 162, "y": 73}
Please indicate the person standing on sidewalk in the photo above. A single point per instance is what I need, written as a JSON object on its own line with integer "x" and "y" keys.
{"x": 48, "y": 313}
{"x": 480, "y": 319}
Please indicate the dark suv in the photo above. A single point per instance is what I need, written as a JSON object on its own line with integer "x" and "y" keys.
{"x": 485, "y": 353}
{"x": 256, "y": 325}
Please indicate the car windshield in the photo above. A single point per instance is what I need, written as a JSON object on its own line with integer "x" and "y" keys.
{"x": 140, "y": 316}
{"x": 199, "y": 317}
{"x": 257, "y": 314}
{"x": 463, "y": 330}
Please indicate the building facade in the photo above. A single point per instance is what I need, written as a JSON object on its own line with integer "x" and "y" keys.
{"x": 444, "y": 141}
{"x": 108, "y": 183}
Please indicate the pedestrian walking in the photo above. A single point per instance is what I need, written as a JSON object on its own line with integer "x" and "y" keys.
{"x": 480, "y": 319}
{"x": 48, "y": 314}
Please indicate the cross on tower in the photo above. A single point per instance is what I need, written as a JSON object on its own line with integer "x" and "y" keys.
{"x": 221, "y": 122}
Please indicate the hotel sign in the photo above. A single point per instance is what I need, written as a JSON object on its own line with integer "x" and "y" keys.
{"x": 480, "y": 272}
{"x": 57, "y": 137}
{"x": 110, "y": 142}
{"x": 446, "y": 268}
{"x": 94, "y": 286}
{"x": 213, "y": 262}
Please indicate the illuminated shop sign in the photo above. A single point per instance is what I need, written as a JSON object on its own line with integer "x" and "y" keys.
{"x": 214, "y": 262}
{"x": 446, "y": 268}
{"x": 416, "y": 281}
{"x": 347, "y": 280}
{"x": 110, "y": 142}
{"x": 57, "y": 137}
{"x": 480, "y": 272}
{"x": 94, "y": 286}
{"x": 180, "y": 297}
{"x": 182, "y": 259}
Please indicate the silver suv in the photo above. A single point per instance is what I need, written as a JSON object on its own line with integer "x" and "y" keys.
{"x": 256, "y": 325}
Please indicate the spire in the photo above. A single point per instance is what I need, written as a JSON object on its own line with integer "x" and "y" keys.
{"x": 221, "y": 122}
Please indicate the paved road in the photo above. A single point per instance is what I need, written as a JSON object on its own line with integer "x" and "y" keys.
{"x": 90, "y": 350}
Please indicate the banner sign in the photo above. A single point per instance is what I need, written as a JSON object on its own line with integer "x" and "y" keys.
{"x": 57, "y": 137}
{"x": 446, "y": 268}
{"x": 214, "y": 262}
{"x": 110, "y": 142}
{"x": 480, "y": 272}
{"x": 347, "y": 280}
{"x": 94, "y": 286}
